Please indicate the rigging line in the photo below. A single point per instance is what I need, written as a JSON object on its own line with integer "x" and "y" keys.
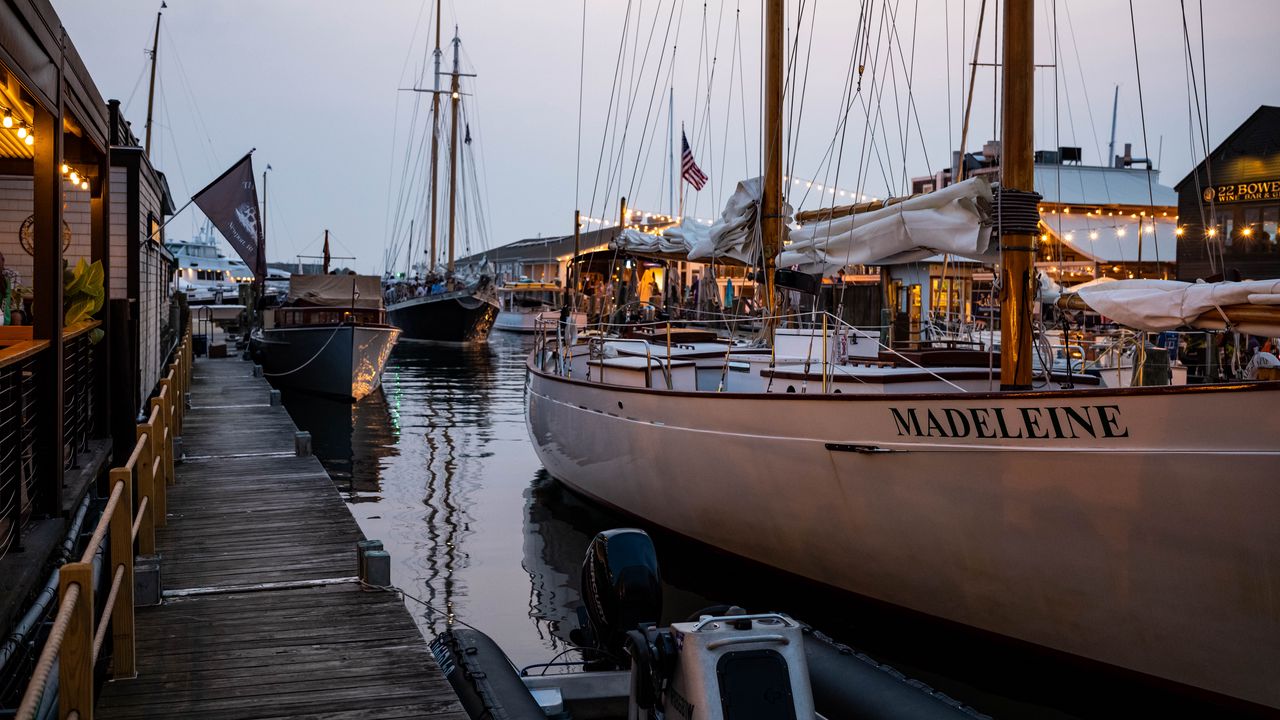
{"x": 388, "y": 227}
{"x": 804, "y": 87}
{"x": 912, "y": 108}
{"x": 414, "y": 148}
{"x": 946, "y": 34}
{"x": 702, "y": 124}
{"x": 1189, "y": 60}
{"x": 632, "y": 87}
{"x": 847, "y": 97}
{"x": 1146, "y": 151}
{"x": 973, "y": 82}
{"x": 742, "y": 97}
{"x": 653, "y": 104}
{"x": 735, "y": 72}
{"x": 1057, "y": 137}
{"x": 622, "y": 118}
{"x": 582, "y": 68}
{"x": 1193, "y": 90}
{"x": 137, "y": 83}
{"x": 613, "y": 88}
{"x": 899, "y": 136}
{"x": 659, "y": 111}
{"x": 788, "y": 88}
{"x": 411, "y": 166}
{"x": 210, "y": 154}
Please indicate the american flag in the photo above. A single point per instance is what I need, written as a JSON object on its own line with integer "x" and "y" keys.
{"x": 689, "y": 170}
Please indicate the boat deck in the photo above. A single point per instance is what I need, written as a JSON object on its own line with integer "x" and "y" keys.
{"x": 245, "y": 511}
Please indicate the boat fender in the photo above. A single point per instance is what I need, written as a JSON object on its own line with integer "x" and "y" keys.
{"x": 487, "y": 684}
{"x": 848, "y": 684}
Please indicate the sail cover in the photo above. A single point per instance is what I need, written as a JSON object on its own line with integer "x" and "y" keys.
{"x": 670, "y": 242}
{"x": 736, "y": 234}
{"x": 956, "y": 220}
{"x": 336, "y": 290}
{"x": 1167, "y": 304}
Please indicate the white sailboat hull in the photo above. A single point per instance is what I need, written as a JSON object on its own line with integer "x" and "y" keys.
{"x": 532, "y": 322}
{"x": 1143, "y": 531}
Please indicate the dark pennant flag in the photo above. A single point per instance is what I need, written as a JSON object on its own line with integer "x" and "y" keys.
{"x": 231, "y": 203}
{"x": 689, "y": 170}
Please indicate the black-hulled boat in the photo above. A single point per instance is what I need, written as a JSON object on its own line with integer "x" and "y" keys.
{"x": 463, "y": 312}
{"x": 461, "y": 316}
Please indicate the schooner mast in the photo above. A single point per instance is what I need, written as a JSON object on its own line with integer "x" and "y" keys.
{"x": 772, "y": 223}
{"x": 1017, "y": 178}
{"x": 455, "y": 98}
{"x": 435, "y": 143}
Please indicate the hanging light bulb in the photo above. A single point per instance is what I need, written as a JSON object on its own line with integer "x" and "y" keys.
{"x": 74, "y": 177}
{"x": 8, "y": 119}
{"x": 30, "y": 139}
{"x": 65, "y": 168}
{"x": 22, "y": 131}
{"x": 84, "y": 184}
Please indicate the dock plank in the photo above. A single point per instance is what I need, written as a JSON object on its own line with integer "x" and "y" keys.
{"x": 244, "y": 512}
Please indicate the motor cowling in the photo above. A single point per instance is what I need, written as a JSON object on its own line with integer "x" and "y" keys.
{"x": 621, "y": 588}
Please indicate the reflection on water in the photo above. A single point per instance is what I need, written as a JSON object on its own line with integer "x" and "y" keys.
{"x": 438, "y": 465}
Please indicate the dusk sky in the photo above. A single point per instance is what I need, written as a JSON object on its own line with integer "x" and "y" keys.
{"x": 313, "y": 85}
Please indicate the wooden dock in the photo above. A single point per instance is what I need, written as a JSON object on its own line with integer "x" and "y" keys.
{"x": 245, "y": 511}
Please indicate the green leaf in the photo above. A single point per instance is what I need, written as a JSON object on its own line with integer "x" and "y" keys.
{"x": 79, "y": 310}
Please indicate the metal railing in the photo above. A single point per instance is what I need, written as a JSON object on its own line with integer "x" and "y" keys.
{"x": 78, "y": 383}
{"x": 128, "y": 522}
{"x": 18, "y": 456}
{"x": 827, "y": 327}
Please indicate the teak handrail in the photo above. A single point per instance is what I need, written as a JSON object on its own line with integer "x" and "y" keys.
{"x": 21, "y": 351}
{"x": 75, "y": 640}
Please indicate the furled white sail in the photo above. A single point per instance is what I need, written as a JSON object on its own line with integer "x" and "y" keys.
{"x": 1167, "y": 304}
{"x": 736, "y": 234}
{"x": 956, "y": 220}
{"x": 671, "y": 242}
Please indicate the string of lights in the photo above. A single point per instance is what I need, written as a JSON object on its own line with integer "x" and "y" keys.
{"x": 25, "y": 132}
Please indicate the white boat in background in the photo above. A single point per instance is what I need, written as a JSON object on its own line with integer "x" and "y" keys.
{"x": 206, "y": 275}
{"x": 330, "y": 337}
{"x": 526, "y": 307}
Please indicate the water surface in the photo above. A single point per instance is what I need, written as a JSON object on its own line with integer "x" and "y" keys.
{"x": 440, "y": 468}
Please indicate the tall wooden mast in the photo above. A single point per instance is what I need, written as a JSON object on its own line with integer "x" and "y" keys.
{"x": 435, "y": 144}
{"x": 151, "y": 91}
{"x": 1017, "y": 172}
{"x": 455, "y": 97}
{"x": 771, "y": 221}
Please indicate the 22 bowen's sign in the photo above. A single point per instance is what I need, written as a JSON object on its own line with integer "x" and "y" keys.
{"x": 1011, "y": 423}
{"x": 1243, "y": 192}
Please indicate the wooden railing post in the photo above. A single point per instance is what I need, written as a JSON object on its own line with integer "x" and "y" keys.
{"x": 159, "y": 489}
{"x": 122, "y": 647}
{"x": 75, "y": 661}
{"x": 164, "y": 433}
{"x": 147, "y": 490}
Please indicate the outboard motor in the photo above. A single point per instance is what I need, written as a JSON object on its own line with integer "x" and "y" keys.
{"x": 621, "y": 590}
{"x": 735, "y": 667}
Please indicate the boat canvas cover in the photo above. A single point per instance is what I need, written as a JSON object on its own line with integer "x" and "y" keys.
{"x": 955, "y": 220}
{"x": 335, "y": 290}
{"x": 1156, "y": 305}
{"x": 736, "y": 234}
{"x": 671, "y": 242}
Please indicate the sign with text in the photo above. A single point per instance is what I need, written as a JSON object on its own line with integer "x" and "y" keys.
{"x": 1243, "y": 191}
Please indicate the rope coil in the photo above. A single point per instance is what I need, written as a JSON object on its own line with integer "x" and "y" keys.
{"x": 1017, "y": 211}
